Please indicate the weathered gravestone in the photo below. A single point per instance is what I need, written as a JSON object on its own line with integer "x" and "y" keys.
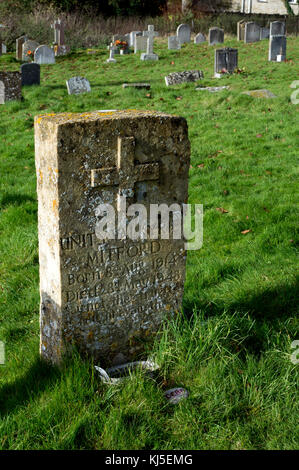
{"x": 277, "y": 48}
{"x": 265, "y": 33}
{"x": 176, "y": 78}
{"x": 241, "y": 30}
{"x": 277, "y": 28}
{"x": 19, "y": 43}
{"x": 59, "y": 48}
{"x": 216, "y": 36}
{"x": 44, "y": 55}
{"x": 10, "y": 86}
{"x": 78, "y": 85}
{"x": 139, "y": 85}
{"x": 1, "y": 44}
{"x": 27, "y": 46}
{"x": 4, "y": 48}
{"x": 226, "y": 61}
{"x": 107, "y": 296}
{"x": 111, "y": 55}
{"x": 150, "y": 34}
{"x": 199, "y": 38}
{"x": 133, "y": 36}
{"x": 174, "y": 43}
{"x": 140, "y": 43}
{"x": 183, "y": 32}
{"x": 252, "y": 32}
{"x": 30, "y": 74}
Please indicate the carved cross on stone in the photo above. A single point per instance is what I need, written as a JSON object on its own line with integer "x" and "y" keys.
{"x": 150, "y": 34}
{"x": 125, "y": 174}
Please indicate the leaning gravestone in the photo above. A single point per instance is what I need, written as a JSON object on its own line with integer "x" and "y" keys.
{"x": 107, "y": 296}
{"x": 177, "y": 78}
{"x": 199, "y": 38}
{"x": 19, "y": 43}
{"x": 78, "y": 85}
{"x": 252, "y": 32}
{"x": 226, "y": 60}
{"x": 216, "y": 36}
{"x": 44, "y": 55}
{"x": 10, "y": 86}
{"x": 277, "y": 28}
{"x": 30, "y": 74}
{"x": 277, "y": 48}
{"x": 28, "y": 46}
{"x": 140, "y": 43}
{"x": 183, "y": 32}
{"x": 174, "y": 43}
{"x": 150, "y": 34}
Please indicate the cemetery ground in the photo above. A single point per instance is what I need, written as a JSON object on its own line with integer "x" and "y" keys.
{"x": 231, "y": 348}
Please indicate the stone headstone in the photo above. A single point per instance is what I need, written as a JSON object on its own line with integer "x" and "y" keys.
{"x": 78, "y": 85}
{"x": 107, "y": 297}
{"x": 133, "y": 35}
{"x": 44, "y": 55}
{"x": 1, "y": 44}
{"x": 252, "y": 32}
{"x": 277, "y": 47}
{"x": 150, "y": 34}
{"x": 177, "y": 78}
{"x": 30, "y": 74}
{"x": 111, "y": 56}
{"x": 212, "y": 89}
{"x": 10, "y": 86}
{"x": 19, "y": 43}
{"x": 226, "y": 60}
{"x": 60, "y": 48}
{"x": 216, "y": 36}
{"x": 140, "y": 43}
{"x": 29, "y": 45}
{"x": 265, "y": 33}
{"x": 199, "y": 38}
{"x": 4, "y": 48}
{"x": 183, "y": 32}
{"x": 174, "y": 43}
{"x": 241, "y": 30}
{"x": 263, "y": 93}
{"x": 277, "y": 28}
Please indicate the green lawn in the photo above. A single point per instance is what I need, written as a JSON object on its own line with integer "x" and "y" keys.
{"x": 231, "y": 348}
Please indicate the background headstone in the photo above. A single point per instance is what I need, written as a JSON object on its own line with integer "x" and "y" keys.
{"x": 241, "y": 30}
{"x": 107, "y": 297}
{"x": 226, "y": 59}
{"x": 140, "y": 43}
{"x": 4, "y": 48}
{"x": 111, "y": 55}
{"x": 183, "y": 32}
{"x": 78, "y": 85}
{"x": 44, "y": 55}
{"x": 174, "y": 43}
{"x": 216, "y": 36}
{"x": 277, "y": 47}
{"x": 199, "y": 38}
{"x": 10, "y": 86}
{"x": 150, "y": 34}
{"x": 30, "y": 74}
{"x": 133, "y": 35}
{"x": 176, "y": 78}
{"x": 277, "y": 28}
{"x": 265, "y": 33}
{"x": 19, "y": 43}
{"x": 29, "y": 45}
{"x": 252, "y": 32}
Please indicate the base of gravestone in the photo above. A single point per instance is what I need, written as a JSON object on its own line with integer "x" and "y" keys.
{"x": 145, "y": 56}
{"x": 111, "y": 61}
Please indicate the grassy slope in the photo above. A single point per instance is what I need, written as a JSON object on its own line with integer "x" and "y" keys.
{"x": 233, "y": 353}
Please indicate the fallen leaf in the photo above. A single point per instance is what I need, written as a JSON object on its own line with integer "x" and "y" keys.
{"x": 259, "y": 135}
{"x": 179, "y": 98}
{"x": 201, "y": 165}
{"x": 245, "y": 231}
{"x": 220, "y": 209}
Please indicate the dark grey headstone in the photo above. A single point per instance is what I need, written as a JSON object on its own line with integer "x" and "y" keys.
{"x": 30, "y": 74}
{"x": 199, "y": 38}
{"x": 183, "y": 32}
{"x": 265, "y": 33}
{"x": 252, "y": 32}
{"x": 226, "y": 59}
{"x": 277, "y": 47}
{"x": 277, "y": 28}
{"x": 216, "y": 36}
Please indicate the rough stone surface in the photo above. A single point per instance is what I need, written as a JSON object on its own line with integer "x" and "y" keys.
{"x": 19, "y": 43}
{"x": 137, "y": 85}
{"x": 183, "y": 32}
{"x": 106, "y": 297}
{"x": 252, "y": 32}
{"x": 212, "y": 89}
{"x": 174, "y": 43}
{"x": 78, "y": 85}
{"x": 176, "y": 78}
{"x": 277, "y": 47}
{"x": 10, "y": 86}
{"x": 140, "y": 43}
{"x": 226, "y": 60}
{"x": 199, "y": 38}
{"x": 265, "y": 33}
{"x": 216, "y": 36}
{"x": 29, "y": 45}
{"x": 277, "y": 28}
{"x": 133, "y": 36}
{"x": 241, "y": 30}
{"x": 259, "y": 93}
{"x": 30, "y": 74}
{"x": 44, "y": 55}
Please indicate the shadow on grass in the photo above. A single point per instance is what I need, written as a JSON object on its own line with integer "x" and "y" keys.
{"x": 15, "y": 198}
{"x": 36, "y": 380}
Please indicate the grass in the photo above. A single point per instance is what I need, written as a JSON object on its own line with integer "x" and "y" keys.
{"x": 231, "y": 347}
